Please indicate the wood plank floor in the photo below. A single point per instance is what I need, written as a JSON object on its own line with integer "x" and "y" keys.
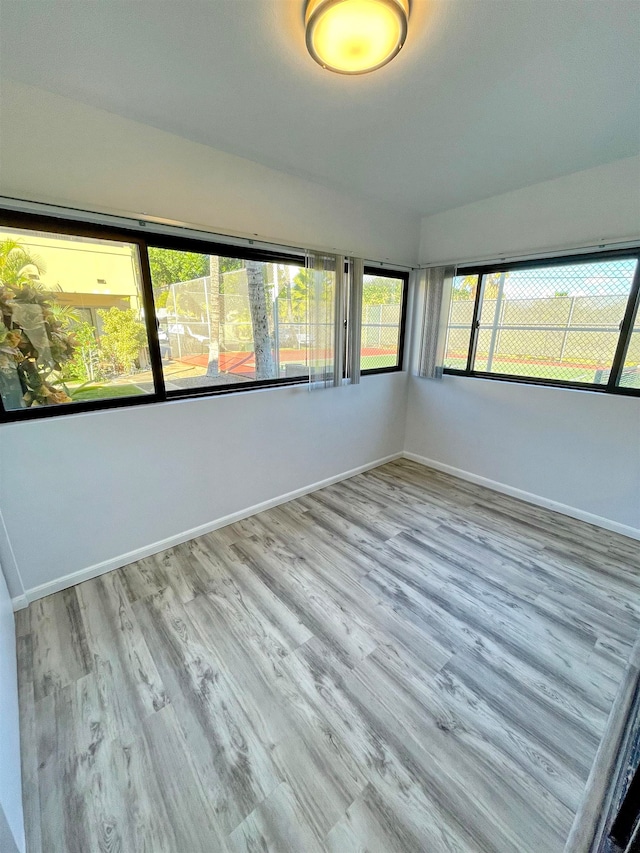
{"x": 398, "y": 662}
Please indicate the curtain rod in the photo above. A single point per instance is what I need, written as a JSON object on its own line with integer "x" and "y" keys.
{"x": 628, "y": 243}
{"x": 159, "y": 225}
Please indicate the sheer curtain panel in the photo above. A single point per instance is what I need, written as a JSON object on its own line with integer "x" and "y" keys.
{"x": 438, "y": 282}
{"x": 354, "y": 330}
{"x": 324, "y": 275}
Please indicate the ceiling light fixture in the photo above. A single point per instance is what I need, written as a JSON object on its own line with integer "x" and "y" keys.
{"x": 355, "y": 36}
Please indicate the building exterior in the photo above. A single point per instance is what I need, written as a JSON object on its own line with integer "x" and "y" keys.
{"x": 85, "y": 274}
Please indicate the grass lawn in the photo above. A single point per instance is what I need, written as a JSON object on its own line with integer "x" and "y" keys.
{"x": 368, "y": 362}
{"x": 106, "y": 392}
{"x": 539, "y": 371}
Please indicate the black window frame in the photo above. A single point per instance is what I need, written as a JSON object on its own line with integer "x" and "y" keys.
{"x": 206, "y": 247}
{"x": 144, "y": 238}
{"x": 384, "y": 272}
{"x": 624, "y": 334}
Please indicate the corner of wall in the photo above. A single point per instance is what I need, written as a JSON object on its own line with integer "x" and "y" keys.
{"x": 9, "y": 569}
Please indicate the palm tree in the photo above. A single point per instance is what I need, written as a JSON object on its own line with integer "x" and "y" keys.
{"x": 17, "y": 265}
{"x": 213, "y": 303}
{"x": 304, "y": 289}
{"x": 259, "y": 320}
{"x": 465, "y": 288}
{"x": 34, "y": 337}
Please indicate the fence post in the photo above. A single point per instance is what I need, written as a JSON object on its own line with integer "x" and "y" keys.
{"x": 206, "y": 304}
{"x": 175, "y": 314}
{"x": 496, "y": 320}
{"x": 276, "y": 320}
{"x": 566, "y": 328}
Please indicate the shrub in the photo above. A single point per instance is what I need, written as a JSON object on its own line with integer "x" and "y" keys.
{"x": 122, "y": 337}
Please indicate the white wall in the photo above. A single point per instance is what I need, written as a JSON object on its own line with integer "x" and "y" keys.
{"x": 11, "y": 819}
{"x": 83, "y": 491}
{"x": 589, "y": 207}
{"x": 88, "y": 488}
{"x": 57, "y": 150}
{"x": 576, "y": 448}
{"x": 103, "y": 485}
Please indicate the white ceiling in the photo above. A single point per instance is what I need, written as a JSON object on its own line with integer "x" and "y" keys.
{"x": 487, "y": 95}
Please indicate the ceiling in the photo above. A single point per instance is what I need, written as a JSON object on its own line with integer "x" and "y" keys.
{"x": 486, "y": 96}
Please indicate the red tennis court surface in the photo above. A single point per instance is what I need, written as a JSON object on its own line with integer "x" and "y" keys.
{"x": 244, "y": 362}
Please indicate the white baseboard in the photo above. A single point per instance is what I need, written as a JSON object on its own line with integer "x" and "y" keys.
{"x": 124, "y": 559}
{"x": 529, "y": 497}
{"x": 22, "y": 601}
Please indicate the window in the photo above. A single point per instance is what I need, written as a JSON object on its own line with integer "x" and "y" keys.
{"x": 562, "y": 322}
{"x": 630, "y": 373}
{"x": 463, "y": 299}
{"x": 52, "y": 351}
{"x": 228, "y": 321}
{"x": 383, "y": 315}
{"x": 96, "y": 317}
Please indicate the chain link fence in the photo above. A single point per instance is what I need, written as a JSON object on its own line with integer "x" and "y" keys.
{"x": 193, "y": 313}
{"x": 195, "y": 316}
{"x": 380, "y": 335}
{"x": 557, "y": 323}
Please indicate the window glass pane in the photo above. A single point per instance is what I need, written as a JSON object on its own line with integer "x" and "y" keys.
{"x": 228, "y": 321}
{"x": 71, "y": 320}
{"x": 630, "y": 376}
{"x": 381, "y": 318}
{"x": 463, "y": 299}
{"x": 558, "y": 322}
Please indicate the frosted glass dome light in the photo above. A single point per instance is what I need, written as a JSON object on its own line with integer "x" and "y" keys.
{"x": 355, "y": 36}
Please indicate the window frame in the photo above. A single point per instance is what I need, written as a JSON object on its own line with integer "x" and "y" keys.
{"x": 384, "y": 272}
{"x": 143, "y": 238}
{"x": 206, "y": 247}
{"x": 624, "y": 334}
{"x": 40, "y": 222}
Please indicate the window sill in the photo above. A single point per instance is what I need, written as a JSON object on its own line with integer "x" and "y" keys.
{"x": 545, "y": 383}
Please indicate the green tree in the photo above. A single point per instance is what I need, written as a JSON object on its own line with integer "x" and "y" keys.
{"x": 302, "y": 282}
{"x": 122, "y": 337}
{"x": 381, "y": 291}
{"x": 229, "y": 265}
{"x": 465, "y": 287}
{"x": 35, "y": 341}
{"x": 85, "y": 364}
{"x": 285, "y": 301}
{"x": 169, "y": 266}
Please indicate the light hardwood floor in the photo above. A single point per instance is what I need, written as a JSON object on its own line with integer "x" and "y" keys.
{"x": 399, "y": 662}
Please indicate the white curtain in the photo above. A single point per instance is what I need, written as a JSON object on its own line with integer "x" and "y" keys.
{"x": 354, "y": 326}
{"x": 438, "y": 283}
{"x": 325, "y": 281}
{"x": 334, "y": 319}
